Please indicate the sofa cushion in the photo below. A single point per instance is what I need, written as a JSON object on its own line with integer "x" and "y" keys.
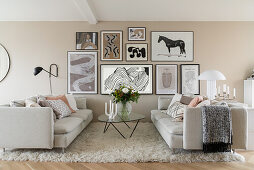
{"x": 81, "y": 102}
{"x": 66, "y": 125}
{"x": 63, "y": 98}
{"x": 82, "y": 114}
{"x": 167, "y": 122}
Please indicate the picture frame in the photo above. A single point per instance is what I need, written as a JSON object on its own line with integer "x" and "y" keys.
{"x": 136, "y": 52}
{"x": 111, "y": 45}
{"x": 136, "y": 33}
{"x": 138, "y": 76}
{"x": 82, "y": 74}
{"x": 166, "y": 76}
{"x": 86, "y": 40}
{"x": 177, "y": 46}
{"x": 189, "y": 79}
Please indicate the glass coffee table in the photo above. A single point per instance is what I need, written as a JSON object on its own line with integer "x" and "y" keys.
{"x": 133, "y": 117}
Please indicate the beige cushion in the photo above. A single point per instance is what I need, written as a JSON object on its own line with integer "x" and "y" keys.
{"x": 82, "y": 114}
{"x": 72, "y": 101}
{"x": 167, "y": 122}
{"x": 17, "y": 103}
{"x": 163, "y": 102}
{"x": 66, "y": 125}
{"x": 81, "y": 102}
{"x": 31, "y": 103}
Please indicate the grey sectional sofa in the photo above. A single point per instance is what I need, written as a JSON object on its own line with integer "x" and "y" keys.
{"x": 188, "y": 134}
{"x": 22, "y": 127}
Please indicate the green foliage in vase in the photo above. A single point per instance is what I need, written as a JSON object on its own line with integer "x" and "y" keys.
{"x": 125, "y": 94}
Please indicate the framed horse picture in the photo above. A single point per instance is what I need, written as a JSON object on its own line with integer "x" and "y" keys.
{"x": 172, "y": 46}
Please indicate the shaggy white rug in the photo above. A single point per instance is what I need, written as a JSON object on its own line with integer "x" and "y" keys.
{"x": 92, "y": 145}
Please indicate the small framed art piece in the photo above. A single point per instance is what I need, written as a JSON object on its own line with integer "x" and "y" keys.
{"x": 136, "y": 33}
{"x": 166, "y": 78}
{"x": 189, "y": 79}
{"x": 111, "y": 45}
{"x": 136, "y": 52}
{"x": 137, "y": 76}
{"x": 172, "y": 46}
{"x": 87, "y": 41}
{"x": 82, "y": 72}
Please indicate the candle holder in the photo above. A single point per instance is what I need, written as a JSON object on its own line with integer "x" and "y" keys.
{"x": 112, "y": 113}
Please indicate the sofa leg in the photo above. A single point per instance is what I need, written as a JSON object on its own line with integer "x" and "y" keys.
{"x": 3, "y": 149}
{"x": 62, "y": 150}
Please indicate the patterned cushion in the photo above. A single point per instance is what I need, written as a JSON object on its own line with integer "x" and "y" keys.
{"x": 63, "y": 98}
{"x": 60, "y": 108}
{"x": 176, "y": 110}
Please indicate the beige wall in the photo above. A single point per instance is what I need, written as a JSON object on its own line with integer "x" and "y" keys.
{"x": 224, "y": 46}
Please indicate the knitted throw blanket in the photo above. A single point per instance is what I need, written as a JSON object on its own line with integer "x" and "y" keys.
{"x": 217, "y": 129}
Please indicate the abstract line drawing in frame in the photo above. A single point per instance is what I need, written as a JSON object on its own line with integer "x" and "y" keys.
{"x": 138, "y": 76}
{"x": 172, "y": 46}
{"x": 86, "y": 40}
{"x": 136, "y": 33}
{"x": 189, "y": 79}
{"x": 82, "y": 72}
{"x": 111, "y": 45}
{"x": 136, "y": 52}
{"x": 166, "y": 79}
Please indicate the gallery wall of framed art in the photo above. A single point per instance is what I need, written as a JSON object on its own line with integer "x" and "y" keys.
{"x": 161, "y": 49}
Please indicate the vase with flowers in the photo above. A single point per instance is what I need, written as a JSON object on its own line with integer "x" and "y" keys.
{"x": 123, "y": 96}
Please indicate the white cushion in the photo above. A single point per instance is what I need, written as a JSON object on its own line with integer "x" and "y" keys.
{"x": 72, "y": 101}
{"x": 176, "y": 109}
{"x": 177, "y": 97}
{"x": 82, "y": 114}
{"x": 66, "y": 124}
{"x": 31, "y": 103}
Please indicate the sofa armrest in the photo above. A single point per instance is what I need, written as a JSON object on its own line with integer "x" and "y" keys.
{"x": 193, "y": 128}
{"x": 26, "y": 127}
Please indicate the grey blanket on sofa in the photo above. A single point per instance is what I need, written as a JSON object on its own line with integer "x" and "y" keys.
{"x": 217, "y": 128}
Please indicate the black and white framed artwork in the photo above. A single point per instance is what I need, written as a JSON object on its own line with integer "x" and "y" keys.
{"x": 82, "y": 72}
{"x": 137, "y": 76}
{"x": 136, "y": 33}
{"x": 172, "y": 46}
{"x": 136, "y": 52}
{"x": 166, "y": 79}
{"x": 189, "y": 79}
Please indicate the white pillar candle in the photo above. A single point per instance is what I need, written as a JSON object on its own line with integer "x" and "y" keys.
{"x": 234, "y": 93}
{"x": 224, "y": 88}
{"x": 219, "y": 90}
{"x": 110, "y": 106}
{"x": 106, "y": 106}
{"x": 228, "y": 90}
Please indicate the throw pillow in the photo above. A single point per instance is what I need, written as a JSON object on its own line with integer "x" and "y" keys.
{"x": 195, "y": 101}
{"x": 186, "y": 100}
{"x": 176, "y": 110}
{"x": 63, "y": 98}
{"x": 204, "y": 103}
{"x": 177, "y": 97}
{"x": 72, "y": 101}
{"x": 60, "y": 108}
{"x": 81, "y": 102}
{"x": 17, "y": 103}
{"x": 30, "y": 103}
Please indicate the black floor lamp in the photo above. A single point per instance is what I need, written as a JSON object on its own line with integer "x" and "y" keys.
{"x": 37, "y": 70}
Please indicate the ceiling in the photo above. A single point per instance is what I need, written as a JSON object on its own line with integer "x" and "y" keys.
{"x": 126, "y": 10}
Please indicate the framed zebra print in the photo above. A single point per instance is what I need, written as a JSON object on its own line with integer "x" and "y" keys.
{"x": 111, "y": 45}
{"x": 172, "y": 46}
{"x": 137, "y": 76}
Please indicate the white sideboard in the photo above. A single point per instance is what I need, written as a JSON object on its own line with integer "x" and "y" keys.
{"x": 249, "y": 92}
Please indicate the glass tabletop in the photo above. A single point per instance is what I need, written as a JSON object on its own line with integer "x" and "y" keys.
{"x": 118, "y": 119}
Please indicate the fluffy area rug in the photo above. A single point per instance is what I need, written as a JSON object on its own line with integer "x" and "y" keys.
{"x": 92, "y": 145}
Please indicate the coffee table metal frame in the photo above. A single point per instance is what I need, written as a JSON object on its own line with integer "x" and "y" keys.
{"x": 111, "y": 122}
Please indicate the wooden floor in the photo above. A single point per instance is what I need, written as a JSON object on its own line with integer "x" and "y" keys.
{"x": 249, "y": 164}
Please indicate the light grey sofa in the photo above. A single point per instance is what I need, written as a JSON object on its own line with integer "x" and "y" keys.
{"x": 34, "y": 127}
{"x": 188, "y": 134}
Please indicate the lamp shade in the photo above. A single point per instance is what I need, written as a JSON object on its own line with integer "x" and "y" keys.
{"x": 37, "y": 70}
{"x": 211, "y": 75}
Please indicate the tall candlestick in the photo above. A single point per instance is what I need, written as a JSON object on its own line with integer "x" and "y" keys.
{"x": 219, "y": 91}
{"x": 228, "y": 90}
{"x": 110, "y": 106}
{"x": 234, "y": 93}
